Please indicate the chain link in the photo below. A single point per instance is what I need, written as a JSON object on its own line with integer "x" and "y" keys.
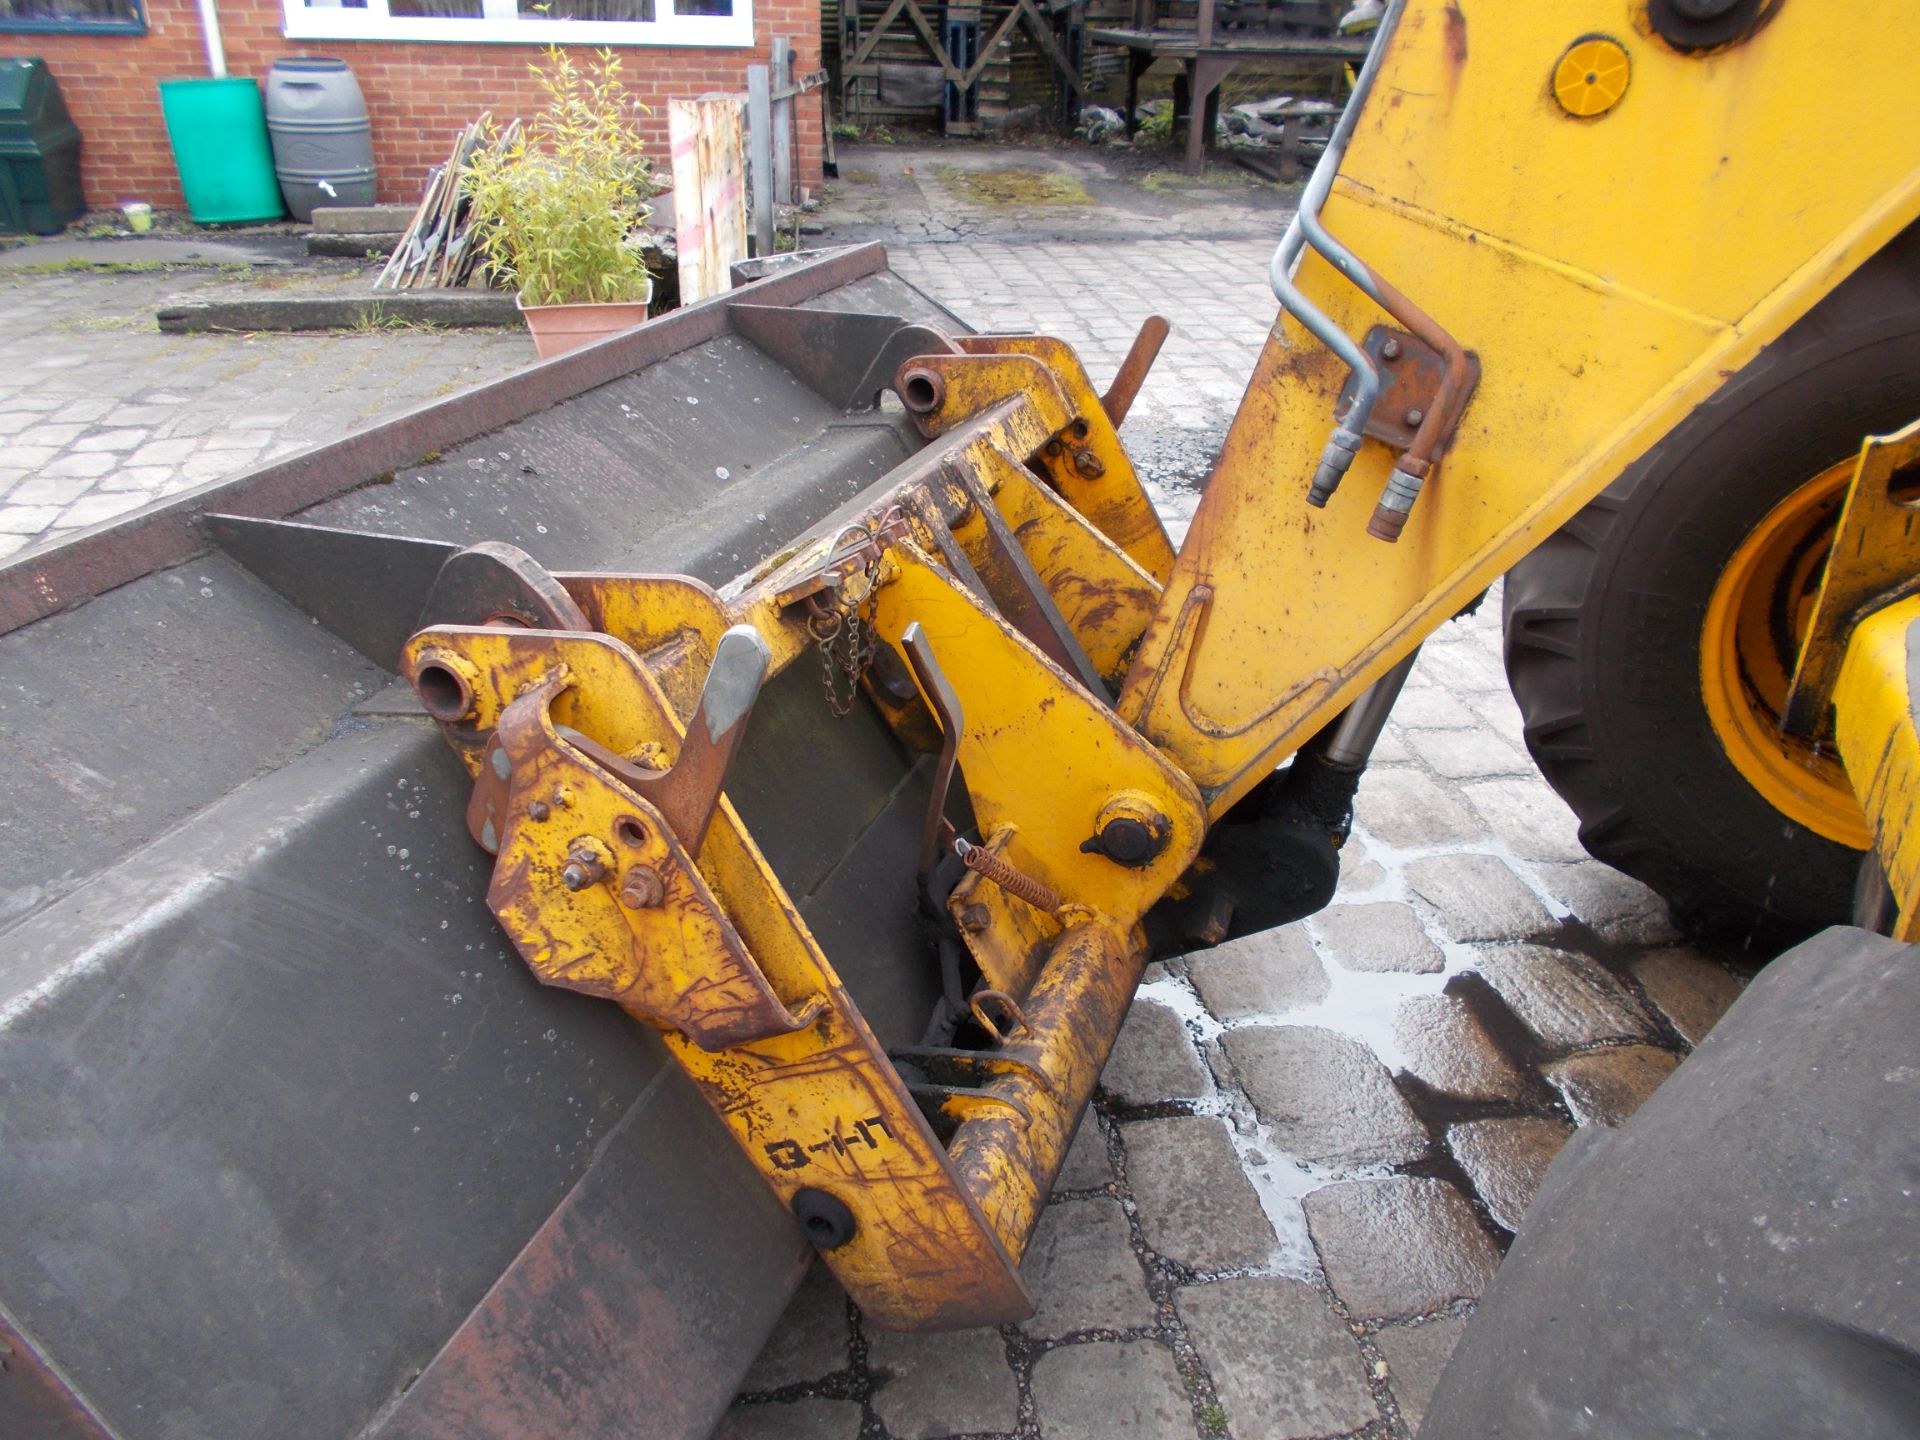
{"x": 844, "y": 633}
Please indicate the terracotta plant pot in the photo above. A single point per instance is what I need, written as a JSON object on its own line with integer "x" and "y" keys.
{"x": 560, "y": 328}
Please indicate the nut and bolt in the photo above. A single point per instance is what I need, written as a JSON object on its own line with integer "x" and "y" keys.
{"x": 583, "y": 868}
{"x": 974, "y": 919}
{"x": 1052, "y": 449}
{"x": 1088, "y": 464}
{"x": 538, "y": 810}
{"x": 641, "y": 888}
{"x": 1389, "y": 349}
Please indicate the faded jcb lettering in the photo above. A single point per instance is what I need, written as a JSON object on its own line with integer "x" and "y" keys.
{"x": 792, "y": 1155}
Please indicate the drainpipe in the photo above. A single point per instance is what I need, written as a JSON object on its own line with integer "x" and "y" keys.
{"x": 210, "y": 32}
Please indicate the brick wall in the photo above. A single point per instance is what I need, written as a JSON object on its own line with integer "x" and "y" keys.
{"x": 419, "y": 95}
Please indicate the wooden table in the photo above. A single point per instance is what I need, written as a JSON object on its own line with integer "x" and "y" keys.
{"x": 1209, "y": 57}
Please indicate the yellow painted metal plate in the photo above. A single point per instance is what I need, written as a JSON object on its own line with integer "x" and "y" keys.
{"x": 1531, "y": 238}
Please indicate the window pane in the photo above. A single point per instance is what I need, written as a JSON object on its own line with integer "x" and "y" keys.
{"x": 586, "y": 9}
{"x": 703, "y": 7}
{"x": 436, "y": 9}
{"x": 71, "y": 12}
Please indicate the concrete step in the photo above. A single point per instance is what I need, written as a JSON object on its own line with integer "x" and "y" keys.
{"x": 362, "y": 219}
{"x": 338, "y": 310}
{"x": 352, "y": 247}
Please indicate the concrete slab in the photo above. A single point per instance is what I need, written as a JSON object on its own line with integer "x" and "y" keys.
{"x": 273, "y": 249}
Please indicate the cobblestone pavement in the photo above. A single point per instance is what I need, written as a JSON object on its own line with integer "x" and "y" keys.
{"x": 100, "y": 412}
{"x": 1310, "y": 1147}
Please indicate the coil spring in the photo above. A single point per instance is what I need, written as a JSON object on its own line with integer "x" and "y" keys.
{"x": 983, "y": 861}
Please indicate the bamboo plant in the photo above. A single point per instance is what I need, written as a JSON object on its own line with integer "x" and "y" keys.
{"x": 556, "y": 211}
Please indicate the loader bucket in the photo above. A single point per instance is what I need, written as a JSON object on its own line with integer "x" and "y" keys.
{"x": 291, "y": 1138}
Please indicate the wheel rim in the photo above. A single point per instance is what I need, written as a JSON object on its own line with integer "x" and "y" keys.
{"x": 1755, "y": 620}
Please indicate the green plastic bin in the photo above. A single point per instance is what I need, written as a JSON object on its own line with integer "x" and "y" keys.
{"x": 220, "y": 146}
{"x": 39, "y": 152}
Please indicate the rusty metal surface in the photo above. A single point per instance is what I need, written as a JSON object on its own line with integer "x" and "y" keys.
{"x": 1119, "y": 396}
{"x": 849, "y": 358}
{"x": 603, "y": 1295}
{"x": 1412, "y": 379}
{"x": 36, "y": 1401}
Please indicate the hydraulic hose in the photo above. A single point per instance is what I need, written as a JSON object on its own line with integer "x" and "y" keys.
{"x": 1344, "y": 443}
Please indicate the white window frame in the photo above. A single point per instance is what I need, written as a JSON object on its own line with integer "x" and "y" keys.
{"x": 500, "y": 24}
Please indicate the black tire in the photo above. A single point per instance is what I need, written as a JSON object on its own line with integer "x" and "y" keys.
{"x": 1604, "y": 620}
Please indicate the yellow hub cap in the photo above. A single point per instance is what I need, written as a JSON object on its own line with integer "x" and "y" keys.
{"x": 1748, "y": 646}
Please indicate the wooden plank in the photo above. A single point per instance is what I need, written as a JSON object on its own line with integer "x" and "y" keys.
{"x": 783, "y": 112}
{"x": 710, "y": 209}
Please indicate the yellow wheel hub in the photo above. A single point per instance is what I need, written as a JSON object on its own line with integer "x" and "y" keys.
{"x": 1755, "y": 620}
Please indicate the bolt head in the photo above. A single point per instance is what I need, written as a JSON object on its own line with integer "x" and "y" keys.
{"x": 974, "y": 919}
{"x": 642, "y": 888}
{"x": 1390, "y": 349}
{"x": 538, "y": 810}
{"x": 575, "y": 876}
{"x": 1414, "y": 417}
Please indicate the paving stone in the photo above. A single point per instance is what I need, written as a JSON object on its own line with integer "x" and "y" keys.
{"x": 1406, "y": 808}
{"x": 83, "y": 412}
{"x": 1563, "y": 998}
{"x": 27, "y": 519}
{"x": 1506, "y": 1159}
{"x": 147, "y": 479}
{"x": 1500, "y": 714}
{"x": 1478, "y": 898}
{"x": 1083, "y": 1272}
{"x": 1447, "y": 1047}
{"x": 1604, "y": 1087}
{"x": 163, "y": 452}
{"x": 30, "y": 457}
{"x": 932, "y": 1385}
{"x": 1692, "y": 991}
{"x": 1391, "y": 748}
{"x": 1429, "y": 707}
{"x": 1532, "y": 821}
{"x": 110, "y": 440}
{"x": 1086, "y": 1166}
{"x": 810, "y": 1340}
{"x": 57, "y": 436}
{"x": 1153, "y": 1059}
{"x": 810, "y": 1419}
{"x": 1283, "y": 1364}
{"x": 50, "y": 490}
{"x": 1400, "y": 1246}
{"x": 1097, "y": 1392}
{"x": 93, "y": 509}
{"x": 1385, "y": 935}
{"x": 1264, "y": 973}
{"x": 1467, "y": 754}
{"x": 1326, "y": 1098}
{"x": 1617, "y": 907}
{"x": 1462, "y": 665}
{"x": 1416, "y": 1354}
{"x": 1359, "y": 872}
{"x": 238, "y": 439}
{"x": 1195, "y": 1203}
